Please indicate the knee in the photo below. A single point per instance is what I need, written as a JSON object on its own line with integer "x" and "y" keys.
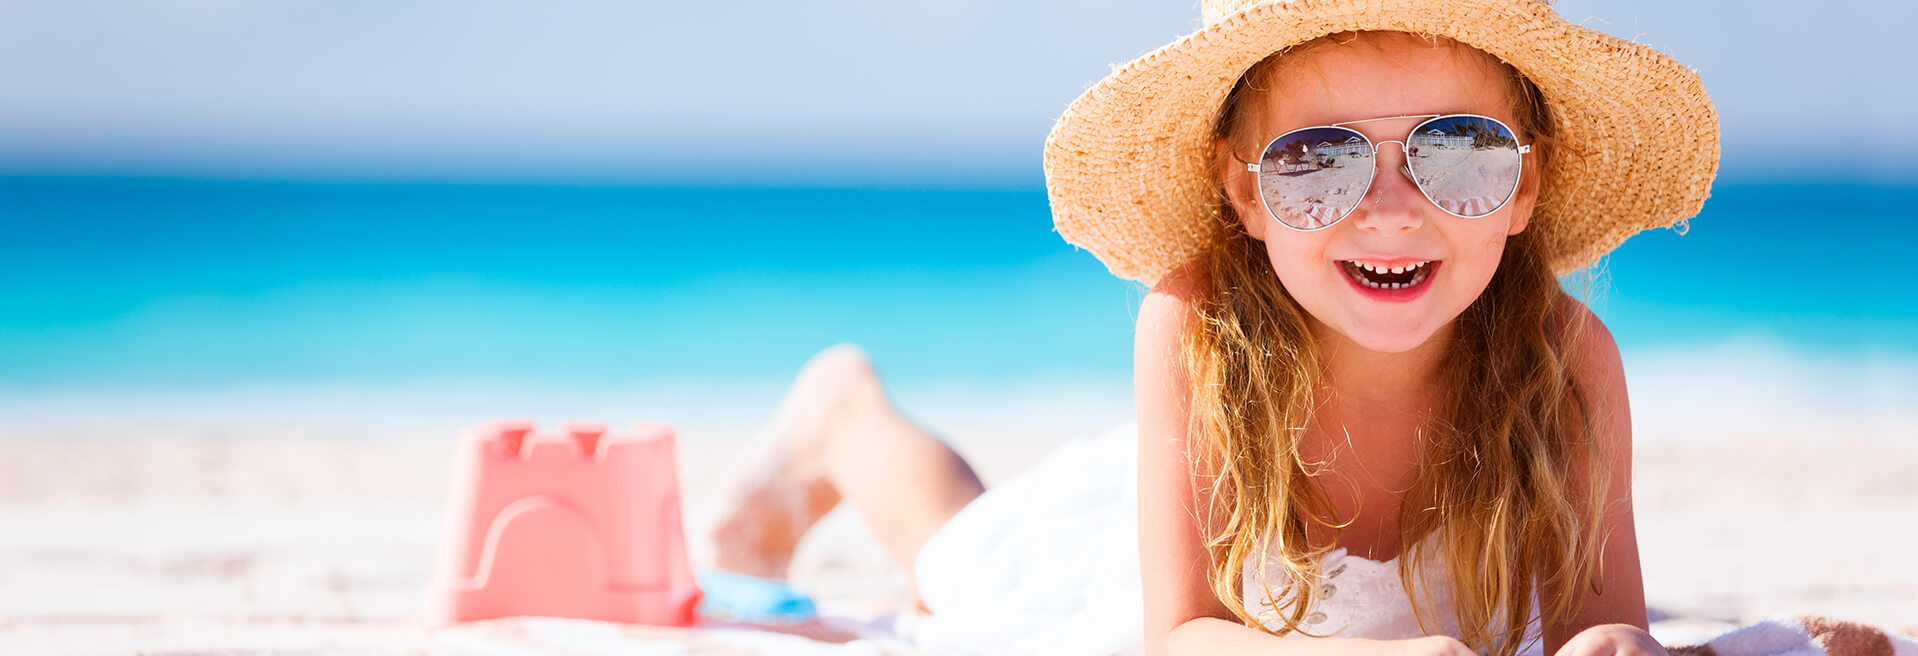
{"x": 845, "y": 369}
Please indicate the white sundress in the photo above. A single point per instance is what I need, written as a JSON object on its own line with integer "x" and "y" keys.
{"x": 1047, "y": 563}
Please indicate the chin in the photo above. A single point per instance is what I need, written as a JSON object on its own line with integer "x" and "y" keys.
{"x": 1390, "y": 341}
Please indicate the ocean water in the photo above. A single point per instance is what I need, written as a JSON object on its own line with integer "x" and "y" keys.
{"x": 155, "y": 282}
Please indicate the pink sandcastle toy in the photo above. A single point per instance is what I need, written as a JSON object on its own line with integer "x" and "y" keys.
{"x": 583, "y": 525}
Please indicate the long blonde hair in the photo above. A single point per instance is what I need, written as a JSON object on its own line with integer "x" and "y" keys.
{"x": 1509, "y": 485}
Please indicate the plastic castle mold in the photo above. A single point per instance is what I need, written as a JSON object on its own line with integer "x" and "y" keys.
{"x": 582, "y": 525}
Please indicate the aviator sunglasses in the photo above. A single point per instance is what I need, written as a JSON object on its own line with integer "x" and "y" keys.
{"x": 1466, "y": 164}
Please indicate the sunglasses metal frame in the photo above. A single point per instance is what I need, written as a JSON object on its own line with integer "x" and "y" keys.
{"x": 1373, "y": 174}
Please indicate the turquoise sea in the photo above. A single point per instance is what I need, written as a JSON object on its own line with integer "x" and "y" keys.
{"x": 133, "y": 282}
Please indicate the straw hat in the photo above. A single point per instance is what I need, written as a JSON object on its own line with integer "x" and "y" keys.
{"x": 1128, "y": 164}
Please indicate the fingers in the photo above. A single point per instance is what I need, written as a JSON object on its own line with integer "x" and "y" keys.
{"x": 1612, "y": 640}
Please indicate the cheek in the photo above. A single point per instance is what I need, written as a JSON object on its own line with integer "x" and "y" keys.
{"x": 1484, "y": 257}
{"x": 1254, "y": 218}
{"x": 1298, "y": 265}
{"x": 1492, "y": 248}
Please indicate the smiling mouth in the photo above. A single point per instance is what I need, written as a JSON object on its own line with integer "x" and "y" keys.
{"x": 1378, "y": 277}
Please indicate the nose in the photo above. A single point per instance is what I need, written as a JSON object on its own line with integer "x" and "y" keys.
{"x": 1392, "y": 204}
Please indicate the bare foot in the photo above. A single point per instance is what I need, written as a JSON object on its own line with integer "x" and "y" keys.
{"x": 781, "y": 488}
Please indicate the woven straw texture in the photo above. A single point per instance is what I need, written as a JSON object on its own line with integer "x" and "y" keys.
{"x": 1127, "y": 164}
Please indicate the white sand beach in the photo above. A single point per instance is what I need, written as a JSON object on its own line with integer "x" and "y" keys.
{"x": 205, "y": 524}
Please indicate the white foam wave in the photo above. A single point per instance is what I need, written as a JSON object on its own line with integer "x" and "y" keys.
{"x": 1758, "y": 387}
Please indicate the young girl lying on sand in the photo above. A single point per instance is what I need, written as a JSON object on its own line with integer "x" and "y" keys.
{"x": 1368, "y": 415}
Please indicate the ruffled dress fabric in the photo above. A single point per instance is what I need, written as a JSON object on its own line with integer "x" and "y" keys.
{"x": 1364, "y": 598}
{"x": 1047, "y": 562}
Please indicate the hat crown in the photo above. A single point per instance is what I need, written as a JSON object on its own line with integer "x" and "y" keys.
{"x": 1214, "y": 10}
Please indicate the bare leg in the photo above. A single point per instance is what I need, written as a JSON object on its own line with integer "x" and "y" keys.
{"x": 837, "y": 437}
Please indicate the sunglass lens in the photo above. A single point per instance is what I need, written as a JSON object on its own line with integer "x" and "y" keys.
{"x": 1311, "y": 178}
{"x": 1468, "y": 165}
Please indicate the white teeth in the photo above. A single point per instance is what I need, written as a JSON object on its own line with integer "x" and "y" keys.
{"x": 1417, "y": 269}
{"x": 1374, "y": 268}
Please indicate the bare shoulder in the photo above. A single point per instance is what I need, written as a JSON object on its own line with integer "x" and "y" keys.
{"x": 1173, "y": 296}
{"x": 1163, "y": 317}
{"x": 1594, "y": 358}
{"x": 1598, "y": 371}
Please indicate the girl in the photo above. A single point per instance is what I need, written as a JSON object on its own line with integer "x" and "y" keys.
{"x": 1367, "y": 413}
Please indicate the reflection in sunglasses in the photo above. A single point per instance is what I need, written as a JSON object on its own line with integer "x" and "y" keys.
{"x": 1317, "y": 176}
{"x": 1466, "y": 165}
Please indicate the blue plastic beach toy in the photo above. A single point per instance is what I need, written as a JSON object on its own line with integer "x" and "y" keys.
{"x": 752, "y": 599}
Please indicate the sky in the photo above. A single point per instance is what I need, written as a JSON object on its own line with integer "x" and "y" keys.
{"x": 850, "y": 92}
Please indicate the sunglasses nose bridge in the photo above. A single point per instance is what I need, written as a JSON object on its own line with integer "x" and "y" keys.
{"x": 1379, "y": 147}
{"x": 1378, "y": 188}
{"x": 1405, "y": 161}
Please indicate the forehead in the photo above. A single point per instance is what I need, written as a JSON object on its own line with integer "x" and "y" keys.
{"x": 1384, "y": 74}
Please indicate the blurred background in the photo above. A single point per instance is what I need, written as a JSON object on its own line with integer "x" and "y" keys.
{"x": 217, "y": 194}
{"x": 230, "y": 224}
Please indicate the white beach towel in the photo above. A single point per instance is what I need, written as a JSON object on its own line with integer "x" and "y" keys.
{"x": 1804, "y": 635}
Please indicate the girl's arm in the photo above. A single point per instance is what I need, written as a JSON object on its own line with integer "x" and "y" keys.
{"x": 1181, "y": 614}
{"x": 1612, "y": 621}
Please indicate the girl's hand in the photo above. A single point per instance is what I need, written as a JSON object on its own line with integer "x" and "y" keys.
{"x": 1612, "y": 640}
{"x": 1433, "y": 645}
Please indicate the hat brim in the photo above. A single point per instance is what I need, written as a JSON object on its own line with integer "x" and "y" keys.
{"x": 1128, "y": 164}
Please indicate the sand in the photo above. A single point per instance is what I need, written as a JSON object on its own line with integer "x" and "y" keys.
{"x": 197, "y": 532}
